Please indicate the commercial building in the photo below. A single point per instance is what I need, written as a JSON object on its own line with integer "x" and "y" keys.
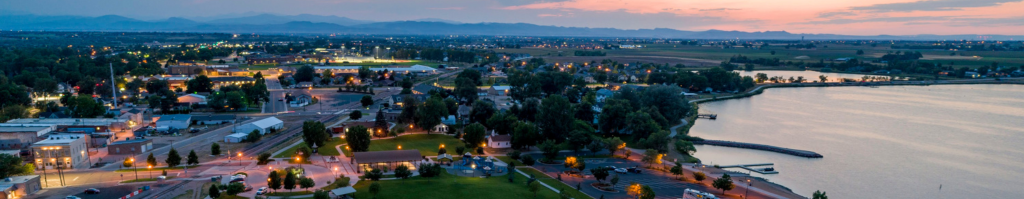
{"x": 192, "y": 99}
{"x": 389, "y": 159}
{"x": 101, "y": 130}
{"x": 421, "y": 69}
{"x": 19, "y": 186}
{"x": 66, "y": 151}
{"x": 21, "y": 136}
{"x": 235, "y": 138}
{"x": 179, "y": 121}
{"x": 264, "y": 126}
{"x": 225, "y": 81}
{"x": 213, "y": 119}
{"x": 127, "y": 147}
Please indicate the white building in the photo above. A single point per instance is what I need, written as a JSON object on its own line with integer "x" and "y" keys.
{"x": 499, "y": 141}
{"x": 192, "y": 99}
{"x": 235, "y": 138}
{"x": 397, "y": 69}
{"x": 264, "y": 125}
{"x": 179, "y": 121}
{"x": 67, "y": 151}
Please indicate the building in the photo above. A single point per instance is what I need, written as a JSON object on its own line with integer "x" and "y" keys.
{"x": 224, "y": 81}
{"x": 390, "y": 159}
{"x": 19, "y": 186}
{"x": 54, "y": 115}
{"x": 300, "y": 101}
{"x": 134, "y": 116}
{"x": 499, "y": 90}
{"x": 264, "y": 125}
{"x": 192, "y": 99}
{"x": 499, "y": 141}
{"x": 420, "y": 69}
{"x": 213, "y": 119}
{"x": 21, "y": 136}
{"x": 189, "y": 70}
{"x": 178, "y": 121}
{"x": 235, "y": 138}
{"x": 101, "y": 130}
{"x": 67, "y": 151}
{"x": 128, "y": 147}
{"x": 371, "y": 127}
{"x": 603, "y": 94}
{"x": 397, "y": 100}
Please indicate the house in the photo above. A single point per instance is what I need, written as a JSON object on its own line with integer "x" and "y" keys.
{"x": 212, "y": 119}
{"x": 481, "y": 92}
{"x": 499, "y": 141}
{"x": 304, "y": 85}
{"x": 604, "y": 94}
{"x": 450, "y": 120}
{"x": 499, "y": 90}
{"x": 440, "y": 128}
{"x": 192, "y": 99}
{"x": 264, "y": 125}
{"x": 128, "y": 147}
{"x": 19, "y": 186}
{"x": 235, "y": 138}
{"x": 134, "y": 116}
{"x": 67, "y": 151}
{"x": 397, "y": 100}
{"x": 178, "y": 121}
{"x": 425, "y": 89}
{"x": 300, "y": 101}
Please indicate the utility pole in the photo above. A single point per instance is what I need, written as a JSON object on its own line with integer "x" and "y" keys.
{"x": 113, "y": 86}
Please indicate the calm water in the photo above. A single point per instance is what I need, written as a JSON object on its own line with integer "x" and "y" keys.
{"x": 886, "y": 142}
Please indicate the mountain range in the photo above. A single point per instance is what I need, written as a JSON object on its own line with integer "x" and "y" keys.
{"x": 318, "y": 24}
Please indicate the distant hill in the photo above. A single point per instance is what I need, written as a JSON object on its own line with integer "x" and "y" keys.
{"x": 316, "y": 24}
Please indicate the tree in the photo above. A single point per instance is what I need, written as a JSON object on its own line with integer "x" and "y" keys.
{"x": 193, "y": 159}
{"x": 214, "y": 192}
{"x": 358, "y": 138}
{"x": 748, "y": 67}
{"x": 431, "y": 113}
{"x": 85, "y": 107}
{"x": 614, "y": 180}
{"x": 860, "y": 52}
{"x": 374, "y": 175}
{"x": 599, "y": 174}
{"x": 613, "y": 144}
{"x": 314, "y": 132}
{"x": 475, "y": 135}
{"x": 585, "y": 111}
{"x": 724, "y": 183}
{"x": 409, "y": 104}
{"x": 685, "y": 147}
{"x": 651, "y": 156}
{"x": 555, "y": 119}
{"x": 215, "y": 149}
{"x": 235, "y": 188}
{"x": 549, "y": 149}
{"x": 465, "y": 89}
{"x": 595, "y": 146}
{"x": 263, "y": 159}
{"x": 321, "y": 194}
{"x": 253, "y": 136}
{"x": 304, "y": 74}
{"x": 525, "y": 134}
{"x": 151, "y": 160}
{"x": 201, "y": 83}
{"x": 275, "y": 180}
{"x": 502, "y": 123}
{"x": 173, "y": 159}
{"x": 528, "y": 160}
{"x": 647, "y": 193}
{"x": 367, "y": 100}
{"x": 677, "y": 169}
{"x": 819, "y": 195}
{"x": 304, "y": 151}
{"x": 668, "y": 101}
{"x": 699, "y": 176}
{"x": 430, "y": 170}
{"x": 289, "y": 180}
{"x": 11, "y": 165}
{"x": 307, "y": 183}
{"x": 374, "y": 189}
{"x": 611, "y": 120}
{"x": 126, "y": 163}
{"x": 402, "y": 172}
{"x": 355, "y": 115}
{"x": 534, "y": 187}
{"x": 578, "y": 139}
{"x": 575, "y": 163}
{"x": 482, "y": 110}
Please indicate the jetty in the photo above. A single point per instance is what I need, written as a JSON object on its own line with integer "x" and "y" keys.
{"x": 796, "y": 152}
{"x": 750, "y": 167}
{"x": 708, "y": 116}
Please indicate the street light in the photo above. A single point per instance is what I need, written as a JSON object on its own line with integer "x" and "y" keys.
{"x": 239, "y": 158}
{"x": 150, "y": 171}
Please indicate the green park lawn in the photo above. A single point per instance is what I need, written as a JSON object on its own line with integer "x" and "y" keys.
{"x": 426, "y": 144}
{"x": 554, "y": 182}
{"x": 327, "y": 150}
{"x": 451, "y": 186}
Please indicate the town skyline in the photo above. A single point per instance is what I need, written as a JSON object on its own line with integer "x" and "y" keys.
{"x": 834, "y": 17}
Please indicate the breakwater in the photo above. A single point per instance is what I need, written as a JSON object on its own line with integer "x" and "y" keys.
{"x": 796, "y": 152}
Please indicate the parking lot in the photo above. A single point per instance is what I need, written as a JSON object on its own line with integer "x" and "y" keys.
{"x": 664, "y": 184}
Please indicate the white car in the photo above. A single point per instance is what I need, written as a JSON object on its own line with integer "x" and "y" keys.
{"x": 621, "y": 170}
{"x": 261, "y": 190}
{"x": 72, "y": 197}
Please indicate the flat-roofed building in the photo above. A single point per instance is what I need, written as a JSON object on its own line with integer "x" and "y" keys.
{"x": 66, "y": 151}
{"x": 101, "y": 130}
{"x": 390, "y": 159}
{"x": 135, "y": 146}
{"x": 264, "y": 126}
{"x": 21, "y": 136}
{"x": 19, "y": 186}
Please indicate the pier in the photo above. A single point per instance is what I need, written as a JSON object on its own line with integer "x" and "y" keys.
{"x": 750, "y": 167}
{"x": 708, "y": 116}
{"x": 796, "y": 152}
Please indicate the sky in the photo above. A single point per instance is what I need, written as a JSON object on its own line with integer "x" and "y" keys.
{"x": 849, "y": 17}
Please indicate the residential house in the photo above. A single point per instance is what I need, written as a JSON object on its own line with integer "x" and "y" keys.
{"x": 499, "y": 141}
{"x": 499, "y": 90}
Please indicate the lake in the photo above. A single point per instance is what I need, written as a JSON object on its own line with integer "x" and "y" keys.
{"x": 947, "y": 141}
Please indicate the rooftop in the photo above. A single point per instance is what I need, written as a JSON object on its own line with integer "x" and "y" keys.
{"x": 131, "y": 141}
{"x": 212, "y": 117}
{"x": 68, "y": 121}
{"x": 267, "y": 122}
{"x": 57, "y": 140}
{"x": 176, "y": 117}
{"x": 387, "y": 156}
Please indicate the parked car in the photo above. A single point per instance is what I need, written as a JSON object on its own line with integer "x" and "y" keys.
{"x": 72, "y": 197}
{"x": 92, "y": 191}
{"x": 621, "y": 170}
{"x": 261, "y": 191}
{"x": 634, "y": 170}
{"x": 247, "y": 188}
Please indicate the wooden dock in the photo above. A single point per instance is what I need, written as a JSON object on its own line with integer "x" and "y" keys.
{"x": 750, "y": 167}
{"x": 708, "y": 116}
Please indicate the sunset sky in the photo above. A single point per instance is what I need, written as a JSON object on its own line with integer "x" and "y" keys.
{"x": 851, "y": 17}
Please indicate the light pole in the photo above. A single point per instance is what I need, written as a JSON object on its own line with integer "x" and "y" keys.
{"x": 239, "y": 158}
{"x": 150, "y": 167}
{"x": 749, "y": 184}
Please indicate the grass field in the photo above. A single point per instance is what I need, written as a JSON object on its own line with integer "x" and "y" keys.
{"x": 328, "y": 149}
{"x": 426, "y": 144}
{"x": 554, "y": 182}
{"x": 451, "y": 186}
